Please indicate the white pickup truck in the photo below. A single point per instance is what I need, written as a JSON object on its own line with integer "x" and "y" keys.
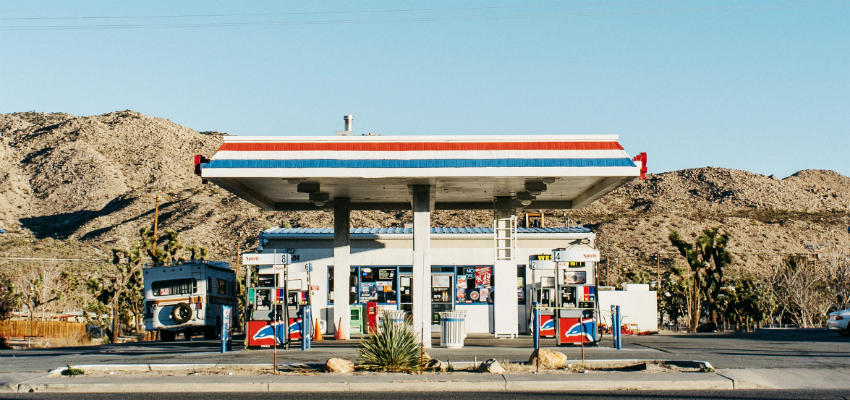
{"x": 186, "y": 297}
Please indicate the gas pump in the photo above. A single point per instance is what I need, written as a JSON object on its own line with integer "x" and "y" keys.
{"x": 577, "y": 306}
{"x": 276, "y": 305}
{"x": 543, "y": 292}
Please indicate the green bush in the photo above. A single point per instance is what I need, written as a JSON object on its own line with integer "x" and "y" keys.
{"x": 71, "y": 371}
{"x": 393, "y": 349}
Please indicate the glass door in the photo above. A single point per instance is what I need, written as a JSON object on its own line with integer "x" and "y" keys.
{"x": 442, "y": 296}
{"x": 405, "y": 292}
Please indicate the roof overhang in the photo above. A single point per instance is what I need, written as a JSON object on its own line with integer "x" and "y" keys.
{"x": 376, "y": 172}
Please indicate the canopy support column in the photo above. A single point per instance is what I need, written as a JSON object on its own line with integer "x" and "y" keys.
{"x": 505, "y": 268}
{"x": 342, "y": 265}
{"x": 421, "y": 196}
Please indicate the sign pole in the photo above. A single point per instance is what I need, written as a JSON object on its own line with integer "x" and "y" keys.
{"x": 537, "y": 334}
{"x": 581, "y": 338}
{"x": 276, "y": 316}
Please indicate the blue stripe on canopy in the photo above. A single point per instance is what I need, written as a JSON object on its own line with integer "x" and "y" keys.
{"x": 443, "y": 163}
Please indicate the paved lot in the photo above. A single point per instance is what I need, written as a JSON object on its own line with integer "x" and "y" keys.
{"x": 657, "y": 395}
{"x": 777, "y": 349}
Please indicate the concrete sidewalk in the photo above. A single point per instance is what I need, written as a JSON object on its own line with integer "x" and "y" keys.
{"x": 761, "y": 378}
{"x": 455, "y": 382}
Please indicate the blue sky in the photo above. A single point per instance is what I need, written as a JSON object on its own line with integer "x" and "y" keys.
{"x": 762, "y": 86}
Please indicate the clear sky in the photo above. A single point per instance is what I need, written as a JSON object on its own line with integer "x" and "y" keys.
{"x": 762, "y": 86}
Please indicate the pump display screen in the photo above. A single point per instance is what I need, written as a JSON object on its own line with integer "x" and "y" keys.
{"x": 265, "y": 280}
{"x": 575, "y": 277}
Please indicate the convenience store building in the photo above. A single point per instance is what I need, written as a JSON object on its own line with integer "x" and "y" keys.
{"x": 462, "y": 275}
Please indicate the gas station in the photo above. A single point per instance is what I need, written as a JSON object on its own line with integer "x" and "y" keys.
{"x": 494, "y": 273}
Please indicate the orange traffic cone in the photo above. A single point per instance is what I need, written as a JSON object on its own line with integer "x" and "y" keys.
{"x": 339, "y": 334}
{"x": 317, "y": 331}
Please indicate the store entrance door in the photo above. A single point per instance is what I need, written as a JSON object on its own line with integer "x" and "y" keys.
{"x": 405, "y": 293}
{"x": 442, "y": 297}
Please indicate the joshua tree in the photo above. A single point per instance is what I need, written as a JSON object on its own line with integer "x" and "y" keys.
{"x": 707, "y": 258}
{"x": 127, "y": 263}
{"x": 10, "y": 299}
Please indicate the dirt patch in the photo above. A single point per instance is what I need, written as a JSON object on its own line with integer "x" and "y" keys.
{"x": 254, "y": 370}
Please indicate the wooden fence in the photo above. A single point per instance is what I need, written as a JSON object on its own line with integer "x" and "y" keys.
{"x": 41, "y": 329}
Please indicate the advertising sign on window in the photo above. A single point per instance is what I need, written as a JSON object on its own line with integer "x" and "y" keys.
{"x": 482, "y": 276}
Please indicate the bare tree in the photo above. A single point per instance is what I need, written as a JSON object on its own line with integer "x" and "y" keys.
{"x": 41, "y": 285}
{"x": 806, "y": 290}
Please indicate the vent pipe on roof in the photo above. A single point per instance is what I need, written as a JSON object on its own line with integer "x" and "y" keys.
{"x": 349, "y": 123}
{"x": 349, "y": 126}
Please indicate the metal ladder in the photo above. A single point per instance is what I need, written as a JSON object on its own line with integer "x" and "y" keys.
{"x": 505, "y": 235}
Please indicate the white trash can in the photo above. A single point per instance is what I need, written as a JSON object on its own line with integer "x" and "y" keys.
{"x": 452, "y": 329}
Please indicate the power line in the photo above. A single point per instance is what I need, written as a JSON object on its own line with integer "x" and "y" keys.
{"x": 33, "y": 259}
{"x": 758, "y": 7}
{"x": 343, "y": 12}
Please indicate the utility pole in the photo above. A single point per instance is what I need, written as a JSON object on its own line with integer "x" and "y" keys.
{"x": 156, "y": 217}
{"x": 657, "y": 272}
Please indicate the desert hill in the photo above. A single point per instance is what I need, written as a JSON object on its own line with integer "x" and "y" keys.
{"x": 76, "y": 184}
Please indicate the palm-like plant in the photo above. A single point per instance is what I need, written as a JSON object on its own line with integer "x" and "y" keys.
{"x": 395, "y": 348}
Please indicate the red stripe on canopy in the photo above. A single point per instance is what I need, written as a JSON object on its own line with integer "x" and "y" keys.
{"x": 423, "y": 146}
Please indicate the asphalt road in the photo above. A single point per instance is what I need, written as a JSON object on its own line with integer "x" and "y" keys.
{"x": 775, "y": 349}
{"x": 659, "y": 395}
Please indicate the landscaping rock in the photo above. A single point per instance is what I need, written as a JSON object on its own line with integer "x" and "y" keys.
{"x": 436, "y": 365}
{"x": 339, "y": 365}
{"x": 549, "y": 359}
{"x": 491, "y": 366}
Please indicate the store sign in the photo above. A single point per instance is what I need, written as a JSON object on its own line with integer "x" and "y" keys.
{"x": 279, "y": 268}
{"x": 266, "y": 259}
{"x": 542, "y": 264}
{"x": 577, "y": 255}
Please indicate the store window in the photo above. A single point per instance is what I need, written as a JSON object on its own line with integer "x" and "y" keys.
{"x": 222, "y": 286}
{"x": 175, "y": 287}
{"x": 378, "y": 284}
{"x": 474, "y": 284}
{"x": 367, "y": 284}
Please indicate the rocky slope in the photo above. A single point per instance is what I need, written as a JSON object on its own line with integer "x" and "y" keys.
{"x": 81, "y": 180}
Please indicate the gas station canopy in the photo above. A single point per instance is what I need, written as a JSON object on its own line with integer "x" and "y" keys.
{"x": 376, "y": 172}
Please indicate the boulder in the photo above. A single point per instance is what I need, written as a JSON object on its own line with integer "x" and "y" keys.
{"x": 436, "y": 365}
{"x": 339, "y": 365}
{"x": 491, "y": 366}
{"x": 549, "y": 359}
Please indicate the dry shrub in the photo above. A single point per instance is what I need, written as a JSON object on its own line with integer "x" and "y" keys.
{"x": 71, "y": 340}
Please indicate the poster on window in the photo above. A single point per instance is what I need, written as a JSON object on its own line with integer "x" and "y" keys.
{"x": 461, "y": 282}
{"x": 484, "y": 293}
{"x": 482, "y": 277}
{"x": 461, "y": 295}
{"x": 386, "y": 274}
{"x": 575, "y": 277}
{"x": 368, "y": 292}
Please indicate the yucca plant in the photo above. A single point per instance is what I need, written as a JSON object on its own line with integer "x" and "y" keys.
{"x": 394, "y": 348}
